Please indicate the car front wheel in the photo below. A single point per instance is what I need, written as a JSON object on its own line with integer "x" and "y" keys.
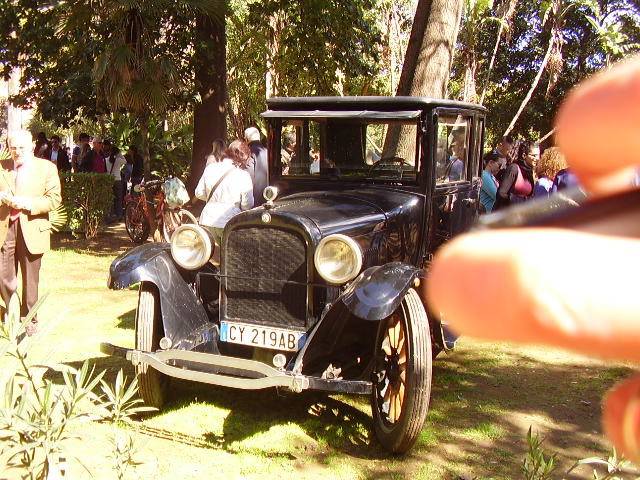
{"x": 402, "y": 377}
{"x": 152, "y": 385}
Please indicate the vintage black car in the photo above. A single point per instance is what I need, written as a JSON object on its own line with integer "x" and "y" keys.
{"x": 319, "y": 288}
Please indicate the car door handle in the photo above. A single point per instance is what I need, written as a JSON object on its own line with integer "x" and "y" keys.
{"x": 469, "y": 202}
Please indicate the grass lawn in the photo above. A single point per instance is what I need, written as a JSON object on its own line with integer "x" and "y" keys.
{"x": 485, "y": 397}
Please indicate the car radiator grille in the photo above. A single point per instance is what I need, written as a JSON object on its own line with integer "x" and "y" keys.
{"x": 260, "y": 264}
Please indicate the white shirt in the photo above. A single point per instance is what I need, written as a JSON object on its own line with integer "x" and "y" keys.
{"x": 114, "y": 168}
{"x": 234, "y": 194}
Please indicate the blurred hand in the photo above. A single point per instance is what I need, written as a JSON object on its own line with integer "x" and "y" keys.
{"x": 559, "y": 287}
{"x": 19, "y": 203}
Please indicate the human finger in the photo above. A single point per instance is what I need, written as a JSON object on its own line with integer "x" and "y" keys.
{"x": 550, "y": 286}
{"x": 597, "y": 127}
{"x": 621, "y": 417}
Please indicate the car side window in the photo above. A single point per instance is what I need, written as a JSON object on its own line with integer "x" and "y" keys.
{"x": 452, "y": 149}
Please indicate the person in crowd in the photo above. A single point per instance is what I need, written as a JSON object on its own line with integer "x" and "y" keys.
{"x": 137, "y": 165}
{"x": 590, "y": 307}
{"x": 565, "y": 178}
{"x": 489, "y": 188}
{"x": 217, "y": 149}
{"x": 506, "y": 148}
{"x": 115, "y": 162}
{"x": 551, "y": 162}
{"x": 42, "y": 145}
{"x": 257, "y": 166}
{"x": 58, "y": 155}
{"x": 29, "y": 191}
{"x": 78, "y": 150}
{"x": 226, "y": 188}
{"x": 93, "y": 160}
{"x": 287, "y": 153}
{"x": 517, "y": 181}
{"x": 456, "y": 161}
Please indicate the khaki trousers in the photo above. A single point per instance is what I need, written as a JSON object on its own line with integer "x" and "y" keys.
{"x": 13, "y": 253}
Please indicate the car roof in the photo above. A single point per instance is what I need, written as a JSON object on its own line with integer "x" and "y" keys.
{"x": 365, "y": 103}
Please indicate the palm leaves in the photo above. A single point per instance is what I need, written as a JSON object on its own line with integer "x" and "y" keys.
{"x": 58, "y": 218}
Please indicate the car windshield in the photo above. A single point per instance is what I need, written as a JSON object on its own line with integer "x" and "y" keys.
{"x": 349, "y": 148}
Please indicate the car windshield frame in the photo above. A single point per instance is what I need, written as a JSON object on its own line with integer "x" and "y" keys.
{"x": 362, "y": 118}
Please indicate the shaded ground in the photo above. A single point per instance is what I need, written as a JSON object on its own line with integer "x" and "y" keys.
{"x": 485, "y": 396}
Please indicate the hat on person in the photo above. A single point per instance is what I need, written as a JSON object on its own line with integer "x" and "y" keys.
{"x": 252, "y": 134}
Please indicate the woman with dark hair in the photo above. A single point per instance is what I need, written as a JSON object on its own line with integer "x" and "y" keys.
{"x": 516, "y": 185}
{"x": 226, "y": 187}
{"x": 489, "y": 188}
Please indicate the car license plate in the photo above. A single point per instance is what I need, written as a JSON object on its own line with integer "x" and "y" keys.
{"x": 259, "y": 336}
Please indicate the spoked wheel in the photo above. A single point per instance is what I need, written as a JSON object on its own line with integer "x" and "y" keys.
{"x": 136, "y": 223}
{"x": 173, "y": 219}
{"x": 152, "y": 385}
{"x": 402, "y": 377}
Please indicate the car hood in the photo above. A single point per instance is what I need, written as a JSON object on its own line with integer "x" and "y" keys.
{"x": 352, "y": 212}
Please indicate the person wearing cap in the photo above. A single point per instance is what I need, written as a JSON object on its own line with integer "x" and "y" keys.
{"x": 257, "y": 166}
{"x": 29, "y": 190}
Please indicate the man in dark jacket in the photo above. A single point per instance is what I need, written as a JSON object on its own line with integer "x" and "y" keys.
{"x": 58, "y": 155}
{"x": 257, "y": 166}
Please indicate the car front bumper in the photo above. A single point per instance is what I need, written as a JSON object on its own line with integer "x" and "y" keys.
{"x": 232, "y": 372}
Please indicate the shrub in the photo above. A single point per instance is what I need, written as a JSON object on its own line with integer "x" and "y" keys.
{"x": 37, "y": 416}
{"x": 87, "y": 198}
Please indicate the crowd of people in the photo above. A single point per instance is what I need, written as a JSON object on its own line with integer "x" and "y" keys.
{"x": 515, "y": 172}
{"x": 95, "y": 155}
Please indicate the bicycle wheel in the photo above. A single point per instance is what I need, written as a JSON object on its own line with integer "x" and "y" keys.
{"x": 172, "y": 219}
{"x": 136, "y": 223}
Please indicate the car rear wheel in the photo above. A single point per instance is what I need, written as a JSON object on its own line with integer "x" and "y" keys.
{"x": 152, "y": 385}
{"x": 402, "y": 376}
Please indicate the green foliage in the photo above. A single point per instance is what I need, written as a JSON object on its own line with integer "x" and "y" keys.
{"x": 537, "y": 465}
{"x": 87, "y": 198}
{"x": 617, "y": 467}
{"x": 120, "y": 403}
{"x": 36, "y": 416}
{"x": 584, "y": 51}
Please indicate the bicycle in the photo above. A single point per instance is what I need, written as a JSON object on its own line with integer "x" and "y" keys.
{"x": 141, "y": 213}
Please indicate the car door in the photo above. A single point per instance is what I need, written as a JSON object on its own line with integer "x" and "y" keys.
{"x": 457, "y": 179}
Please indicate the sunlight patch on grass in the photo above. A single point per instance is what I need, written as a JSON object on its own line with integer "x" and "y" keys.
{"x": 484, "y": 431}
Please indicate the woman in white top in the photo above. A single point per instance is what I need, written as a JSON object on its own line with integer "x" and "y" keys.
{"x": 227, "y": 197}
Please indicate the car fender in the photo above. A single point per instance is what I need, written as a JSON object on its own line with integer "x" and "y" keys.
{"x": 378, "y": 291}
{"x": 184, "y": 317}
{"x": 373, "y": 296}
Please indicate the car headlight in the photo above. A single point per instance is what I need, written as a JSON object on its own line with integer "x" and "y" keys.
{"x": 338, "y": 259}
{"x": 191, "y": 246}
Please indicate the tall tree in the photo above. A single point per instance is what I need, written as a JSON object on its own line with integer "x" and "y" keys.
{"x": 209, "y": 113}
{"x": 427, "y": 63}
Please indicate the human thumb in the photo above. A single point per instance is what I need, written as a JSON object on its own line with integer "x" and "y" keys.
{"x": 621, "y": 417}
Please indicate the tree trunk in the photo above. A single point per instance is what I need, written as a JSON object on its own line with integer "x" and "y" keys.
{"x": 209, "y": 116}
{"x": 469, "y": 93}
{"x": 427, "y": 63}
{"x": 493, "y": 59}
{"x": 534, "y": 85}
{"x": 146, "y": 155}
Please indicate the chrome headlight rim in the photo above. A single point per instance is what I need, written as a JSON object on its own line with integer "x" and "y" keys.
{"x": 355, "y": 250}
{"x": 206, "y": 240}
